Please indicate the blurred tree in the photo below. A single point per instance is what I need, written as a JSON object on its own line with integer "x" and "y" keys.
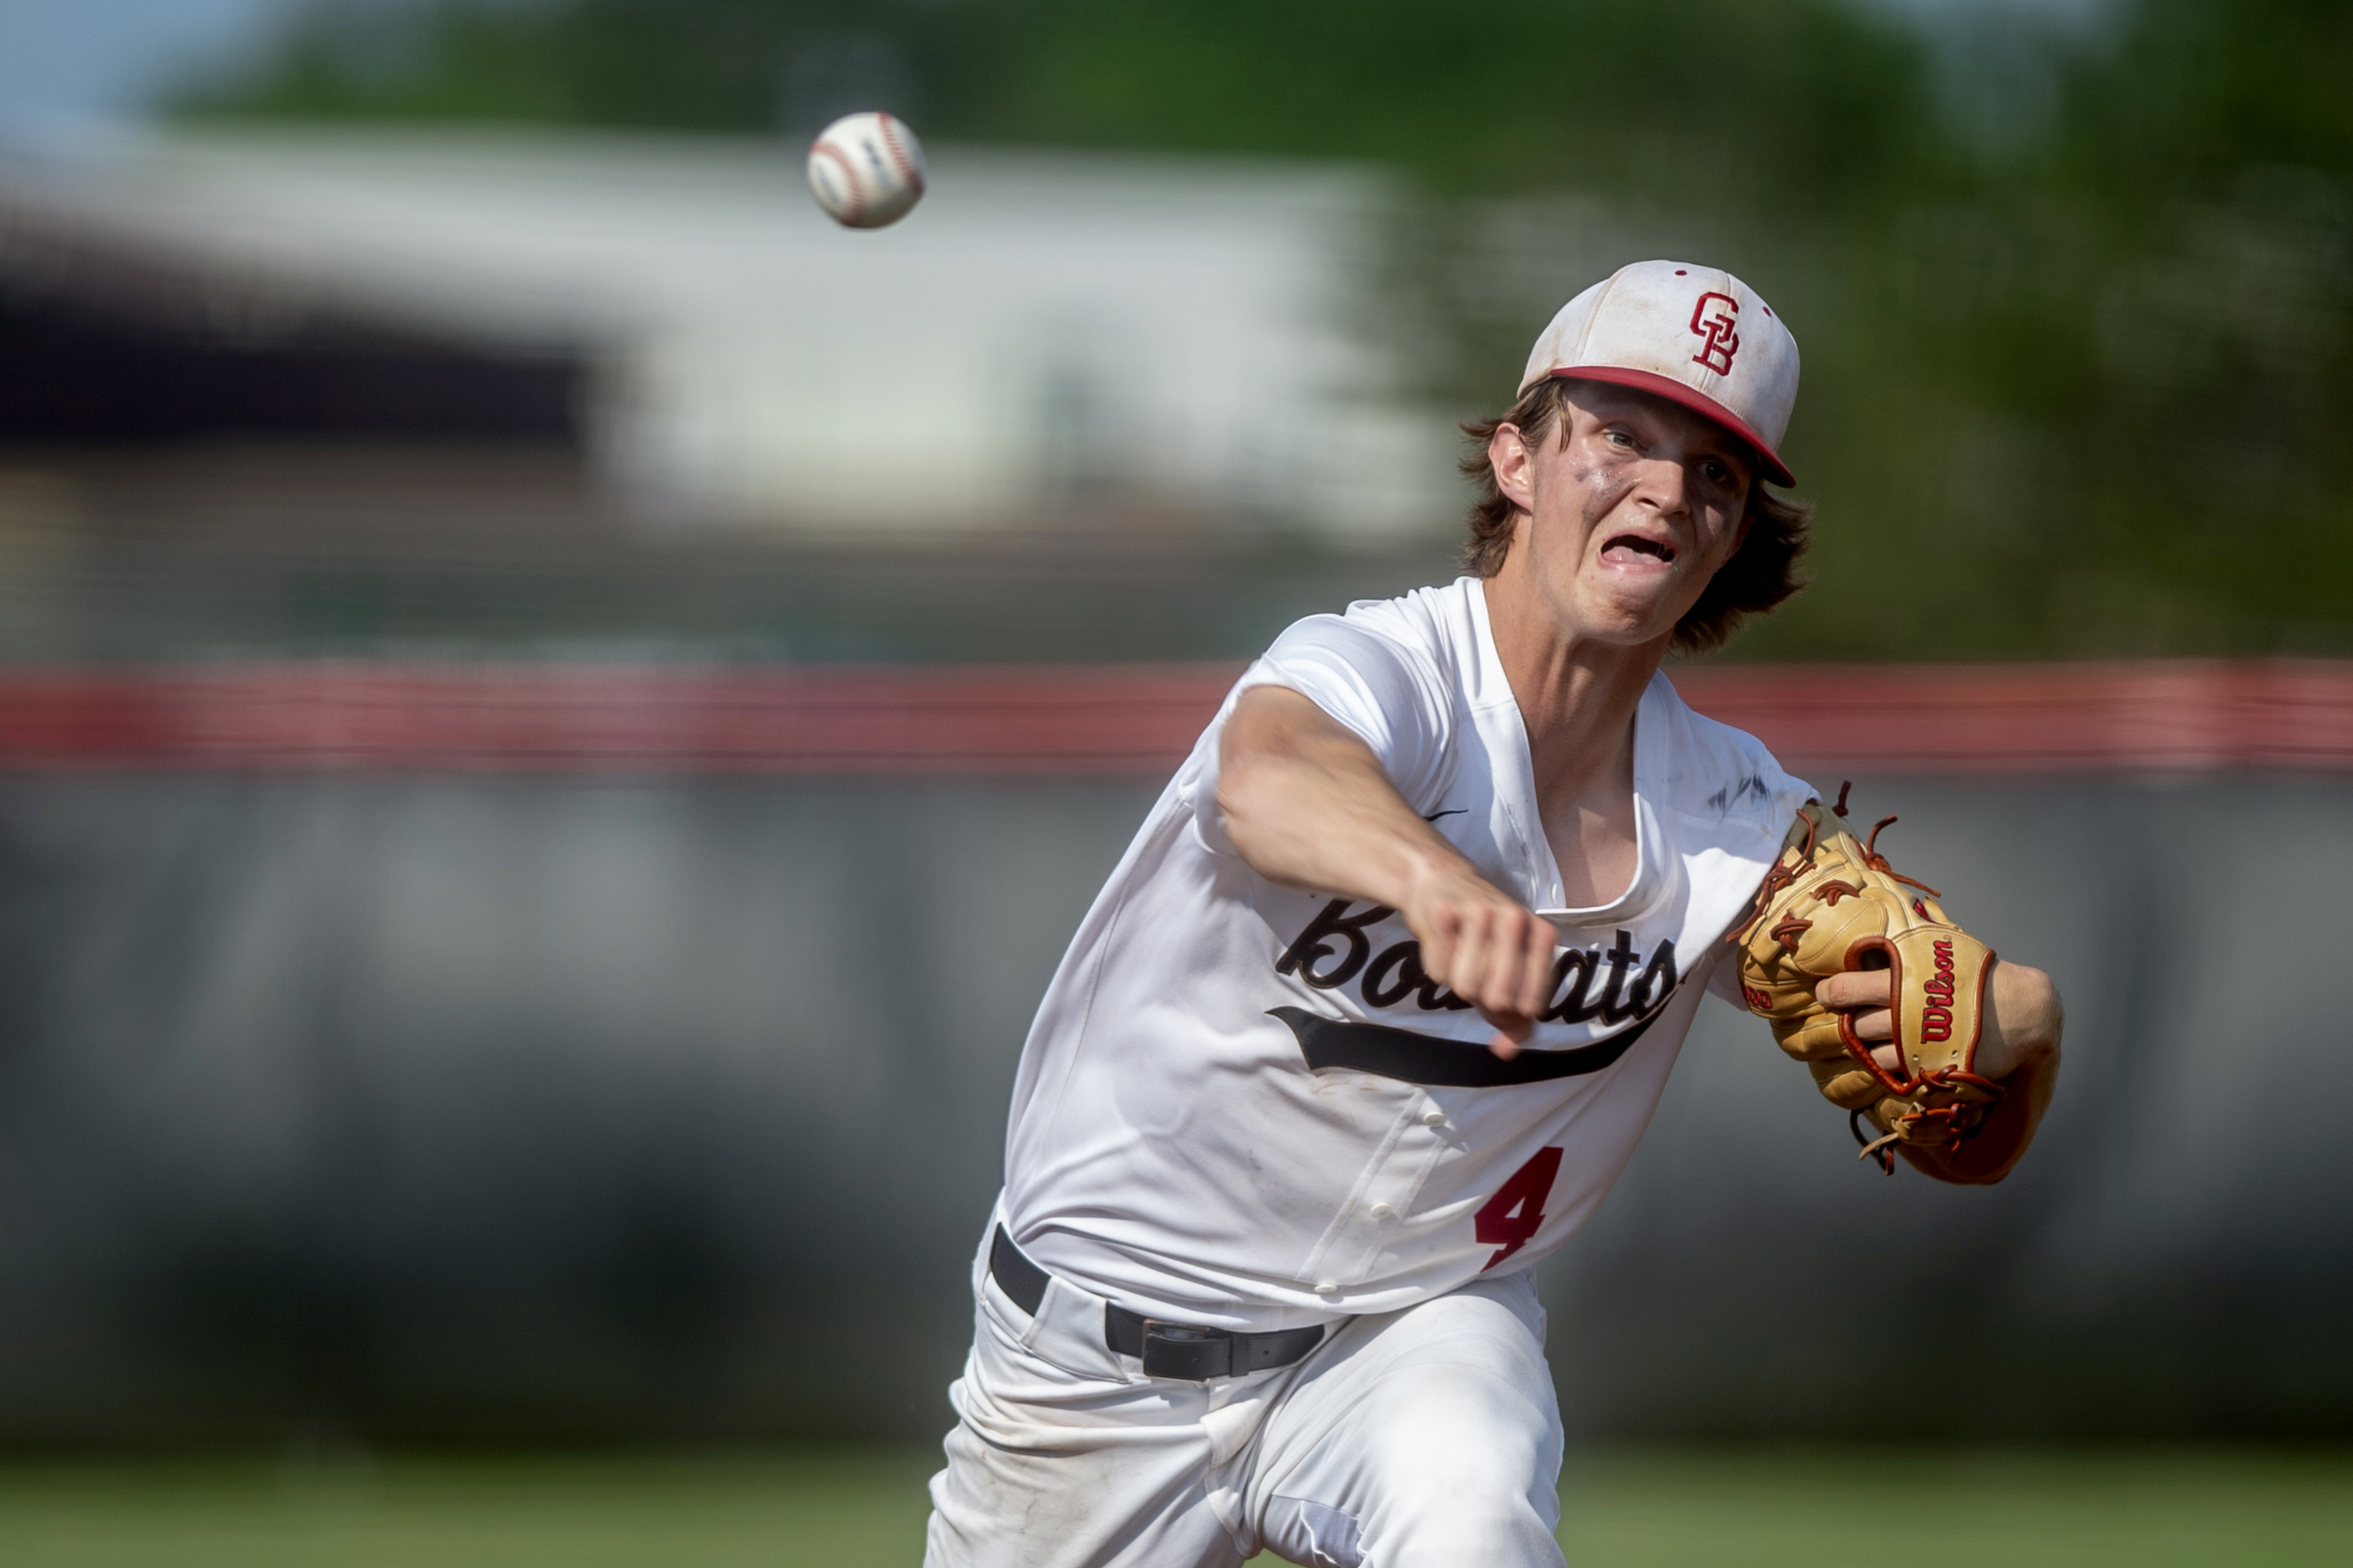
{"x": 2078, "y": 321}
{"x": 1818, "y": 103}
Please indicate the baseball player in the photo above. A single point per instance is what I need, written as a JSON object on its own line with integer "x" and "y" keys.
{"x": 1376, "y": 1006}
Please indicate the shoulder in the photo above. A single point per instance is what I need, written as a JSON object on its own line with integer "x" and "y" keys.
{"x": 1436, "y": 619}
{"x": 1704, "y": 768}
{"x": 1391, "y": 670}
{"x": 1421, "y": 640}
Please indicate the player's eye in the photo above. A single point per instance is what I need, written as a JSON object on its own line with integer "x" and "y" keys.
{"x": 1717, "y": 472}
{"x": 1619, "y": 435}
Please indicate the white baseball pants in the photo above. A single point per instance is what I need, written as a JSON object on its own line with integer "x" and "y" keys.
{"x": 1423, "y": 1439}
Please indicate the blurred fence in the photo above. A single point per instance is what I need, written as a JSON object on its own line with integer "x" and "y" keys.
{"x": 1127, "y": 721}
{"x": 403, "y": 1053}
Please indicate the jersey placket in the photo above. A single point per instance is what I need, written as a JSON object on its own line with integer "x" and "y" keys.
{"x": 1381, "y": 1203}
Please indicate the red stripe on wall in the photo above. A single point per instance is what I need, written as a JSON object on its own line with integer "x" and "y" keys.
{"x": 591, "y": 718}
{"x": 1117, "y": 721}
{"x": 2148, "y": 717}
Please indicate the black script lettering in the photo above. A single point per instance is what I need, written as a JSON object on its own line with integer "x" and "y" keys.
{"x": 1658, "y": 981}
{"x": 1397, "y": 974}
{"x": 1404, "y": 960}
{"x": 1622, "y": 959}
{"x": 1434, "y": 996}
{"x": 1312, "y": 947}
{"x": 1570, "y": 1007}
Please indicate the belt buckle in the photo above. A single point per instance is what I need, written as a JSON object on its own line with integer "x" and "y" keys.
{"x": 1186, "y": 1352}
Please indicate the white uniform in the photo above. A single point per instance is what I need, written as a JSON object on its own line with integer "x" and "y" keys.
{"x": 1246, "y": 1108}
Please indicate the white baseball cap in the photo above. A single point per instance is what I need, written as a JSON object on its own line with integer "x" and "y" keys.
{"x": 1694, "y": 335}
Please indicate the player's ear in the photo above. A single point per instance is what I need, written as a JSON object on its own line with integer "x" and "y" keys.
{"x": 1508, "y": 456}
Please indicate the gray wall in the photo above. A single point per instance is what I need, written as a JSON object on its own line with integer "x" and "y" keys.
{"x": 511, "y": 1110}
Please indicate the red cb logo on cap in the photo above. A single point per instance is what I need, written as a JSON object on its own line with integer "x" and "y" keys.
{"x": 1722, "y": 341}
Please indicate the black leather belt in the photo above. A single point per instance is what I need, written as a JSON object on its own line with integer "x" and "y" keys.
{"x": 1167, "y": 1350}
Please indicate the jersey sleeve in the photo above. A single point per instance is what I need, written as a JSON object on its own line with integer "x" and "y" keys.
{"x": 1386, "y": 692}
{"x": 1724, "y": 980}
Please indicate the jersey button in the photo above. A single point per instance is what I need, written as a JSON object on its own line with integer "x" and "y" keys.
{"x": 1328, "y": 1287}
{"x": 1381, "y": 1211}
{"x": 1433, "y": 1117}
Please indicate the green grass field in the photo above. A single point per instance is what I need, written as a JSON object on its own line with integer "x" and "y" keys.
{"x": 1759, "y": 1509}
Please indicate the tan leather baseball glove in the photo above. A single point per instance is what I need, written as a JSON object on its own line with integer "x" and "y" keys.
{"x": 1831, "y": 904}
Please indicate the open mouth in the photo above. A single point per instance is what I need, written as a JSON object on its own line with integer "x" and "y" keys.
{"x": 1632, "y": 548}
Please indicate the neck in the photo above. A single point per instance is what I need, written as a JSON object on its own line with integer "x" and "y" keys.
{"x": 1576, "y": 696}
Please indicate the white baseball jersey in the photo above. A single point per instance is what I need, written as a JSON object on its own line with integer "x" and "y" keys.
{"x": 1247, "y": 1106}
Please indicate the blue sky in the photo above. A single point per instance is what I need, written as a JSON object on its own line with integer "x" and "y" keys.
{"x": 101, "y": 58}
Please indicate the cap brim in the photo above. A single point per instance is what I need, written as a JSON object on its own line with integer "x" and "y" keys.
{"x": 1691, "y": 397}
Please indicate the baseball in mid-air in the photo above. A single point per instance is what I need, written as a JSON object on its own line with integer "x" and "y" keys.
{"x": 867, "y": 170}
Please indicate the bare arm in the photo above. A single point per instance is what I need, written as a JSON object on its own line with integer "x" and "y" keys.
{"x": 2020, "y": 1049}
{"x": 1306, "y": 805}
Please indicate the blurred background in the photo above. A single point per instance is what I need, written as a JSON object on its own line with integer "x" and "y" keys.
{"x": 557, "y": 710}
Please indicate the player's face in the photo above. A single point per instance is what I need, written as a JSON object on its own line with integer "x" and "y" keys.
{"x": 1634, "y": 503}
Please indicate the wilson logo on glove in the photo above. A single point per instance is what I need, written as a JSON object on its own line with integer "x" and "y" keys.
{"x": 1937, "y": 1016}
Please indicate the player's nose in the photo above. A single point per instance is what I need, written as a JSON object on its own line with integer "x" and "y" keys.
{"x": 1664, "y": 486}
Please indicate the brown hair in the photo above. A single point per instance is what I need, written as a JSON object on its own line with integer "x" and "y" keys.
{"x": 1760, "y": 575}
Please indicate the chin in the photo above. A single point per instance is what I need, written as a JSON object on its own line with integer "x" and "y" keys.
{"x": 1614, "y": 620}
{"x": 1615, "y": 634}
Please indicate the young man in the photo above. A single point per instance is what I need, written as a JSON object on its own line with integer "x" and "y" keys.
{"x": 1374, "y": 1010}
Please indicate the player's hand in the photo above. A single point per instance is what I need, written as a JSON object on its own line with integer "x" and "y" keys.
{"x": 2023, "y": 1016}
{"x": 1868, "y": 995}
{"x": 1487, "y": 947}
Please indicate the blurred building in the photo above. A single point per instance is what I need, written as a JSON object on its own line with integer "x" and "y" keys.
{"x": 1049, "y": 337}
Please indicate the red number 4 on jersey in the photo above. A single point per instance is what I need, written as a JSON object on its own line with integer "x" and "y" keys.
{"x": 1510, "y": 1219}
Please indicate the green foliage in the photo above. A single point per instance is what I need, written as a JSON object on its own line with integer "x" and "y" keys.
{"x": 1819, "y": 105}
{"x": 2079, "y": 357}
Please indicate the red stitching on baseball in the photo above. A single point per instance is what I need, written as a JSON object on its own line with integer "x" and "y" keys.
{"x": 907, "y": 169}
{"x": 849, "y": 171}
